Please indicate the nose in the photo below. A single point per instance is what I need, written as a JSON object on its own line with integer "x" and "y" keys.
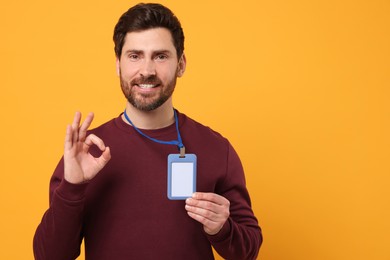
{"x": 148, "y": 68}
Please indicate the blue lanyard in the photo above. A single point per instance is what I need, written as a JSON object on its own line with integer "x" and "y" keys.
{"x": 177, "y": 142}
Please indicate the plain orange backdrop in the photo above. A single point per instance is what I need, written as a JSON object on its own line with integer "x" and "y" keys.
{"x": 300, "y": 88}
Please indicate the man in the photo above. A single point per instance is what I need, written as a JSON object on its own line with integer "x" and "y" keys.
{"x": 110, "y": 188}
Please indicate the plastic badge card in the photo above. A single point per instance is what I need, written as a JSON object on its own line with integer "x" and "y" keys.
{"x": 181, "y": 176}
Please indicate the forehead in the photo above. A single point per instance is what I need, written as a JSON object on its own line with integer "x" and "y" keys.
{"x": 149, "y": 40}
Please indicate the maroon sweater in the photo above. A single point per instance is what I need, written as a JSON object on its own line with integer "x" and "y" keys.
{"x": 124, "y": 212}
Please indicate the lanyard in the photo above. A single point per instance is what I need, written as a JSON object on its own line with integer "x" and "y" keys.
{"x": 177, "y": 142}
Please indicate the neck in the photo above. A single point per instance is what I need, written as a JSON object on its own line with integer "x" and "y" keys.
{"x": 158, "y": 118}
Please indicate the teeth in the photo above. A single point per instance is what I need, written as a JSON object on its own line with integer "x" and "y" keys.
{"x": 146, "y": 85}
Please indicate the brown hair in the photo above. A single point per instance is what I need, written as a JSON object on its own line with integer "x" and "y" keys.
{"x": 147, "y": 16}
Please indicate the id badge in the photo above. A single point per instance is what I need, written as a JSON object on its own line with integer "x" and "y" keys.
{"x": 181, "y": 176}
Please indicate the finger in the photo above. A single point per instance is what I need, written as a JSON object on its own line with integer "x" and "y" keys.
{"x": 201, "y": 219}
{"x": 75, "y": 126}
{"x": 209, "y": 226}
{"x": 212, "y": 197}
{"x": 106, "y": 153}
{"x": 105, "y": 157}
{"x": 205, "y": 213}
{"x": 199, "y": 206}
{"x": 93, "y": 140}
{"x": 84, "y": 127}
{"x": 68, "y": 138}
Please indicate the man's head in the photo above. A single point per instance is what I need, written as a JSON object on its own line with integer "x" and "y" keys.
{"x": 149, "y": 45}
{"x": 148, "y": 16}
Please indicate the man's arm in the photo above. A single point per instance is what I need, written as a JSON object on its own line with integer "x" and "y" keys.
{"x": 228, "y": 219}
{"x": 59, "y": 234}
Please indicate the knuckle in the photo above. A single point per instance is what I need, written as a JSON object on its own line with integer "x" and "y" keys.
{"x": 208, "y": 214}
{"x": 201, "y": 219}
{"x": 208, "y": 205}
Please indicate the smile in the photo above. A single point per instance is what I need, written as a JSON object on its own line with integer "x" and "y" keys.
{"x": 146, "y": 86}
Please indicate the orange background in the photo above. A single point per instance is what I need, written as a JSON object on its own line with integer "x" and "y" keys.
{"x": 300, "y": 88}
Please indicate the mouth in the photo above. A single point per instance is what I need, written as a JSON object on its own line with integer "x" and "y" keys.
{"x": 147, "y": 86}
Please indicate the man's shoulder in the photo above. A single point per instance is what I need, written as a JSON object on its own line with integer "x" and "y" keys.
{"x": 201, "y": 130}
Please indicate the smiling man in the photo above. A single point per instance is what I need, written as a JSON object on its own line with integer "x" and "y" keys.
{"x": 128, "y": 187}
{"x": 148, "y": 68}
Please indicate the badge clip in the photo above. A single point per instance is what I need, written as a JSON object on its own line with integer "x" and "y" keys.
{"x": 182, "y": 152}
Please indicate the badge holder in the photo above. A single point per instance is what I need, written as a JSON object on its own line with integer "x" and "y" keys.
{"x": 181, "y": 175}
{"x": 181, "y": 167}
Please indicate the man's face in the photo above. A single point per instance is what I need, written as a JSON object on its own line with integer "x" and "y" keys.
{"x": 148, "y": 68}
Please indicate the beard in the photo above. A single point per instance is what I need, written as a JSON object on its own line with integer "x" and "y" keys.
{"x": 147, "y": 101}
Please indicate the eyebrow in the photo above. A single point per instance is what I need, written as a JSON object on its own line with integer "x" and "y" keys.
{"x": 141, "y": 51}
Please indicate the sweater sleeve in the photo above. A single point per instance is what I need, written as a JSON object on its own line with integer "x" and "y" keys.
{"x": 59, "y": 234}
{"x": 240, "y": 237}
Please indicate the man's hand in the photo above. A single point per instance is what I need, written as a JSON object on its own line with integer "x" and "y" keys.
{"x": 80, "y": 165}
{"x": 210, "y": 209}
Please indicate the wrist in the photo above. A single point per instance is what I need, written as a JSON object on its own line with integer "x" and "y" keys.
{"x": 71, "y": 191}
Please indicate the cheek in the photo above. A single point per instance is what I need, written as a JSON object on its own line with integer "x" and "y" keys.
{"x": 128, "y": 72}
{"x": 167, "y": 74}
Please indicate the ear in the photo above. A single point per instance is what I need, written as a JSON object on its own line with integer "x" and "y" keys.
{"x": 181, "y": 67}
{"x": 117, "y": 64}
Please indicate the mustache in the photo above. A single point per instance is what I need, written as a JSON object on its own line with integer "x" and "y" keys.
{"x": 146, "y": 80}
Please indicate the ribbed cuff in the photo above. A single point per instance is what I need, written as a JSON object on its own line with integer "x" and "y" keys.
{"x": 222, "y": 234}
{"x": 71, "y": 192}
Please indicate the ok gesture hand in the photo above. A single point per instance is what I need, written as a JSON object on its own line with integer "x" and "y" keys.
{"x": 80, "y": 165}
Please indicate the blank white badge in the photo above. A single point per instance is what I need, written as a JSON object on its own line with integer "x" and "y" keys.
{"x": 181, "y": 176}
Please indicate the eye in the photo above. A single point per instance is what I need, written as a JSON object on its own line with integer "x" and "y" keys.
{"x": 133, "y": 57}
{"x": 161, "y": 57}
